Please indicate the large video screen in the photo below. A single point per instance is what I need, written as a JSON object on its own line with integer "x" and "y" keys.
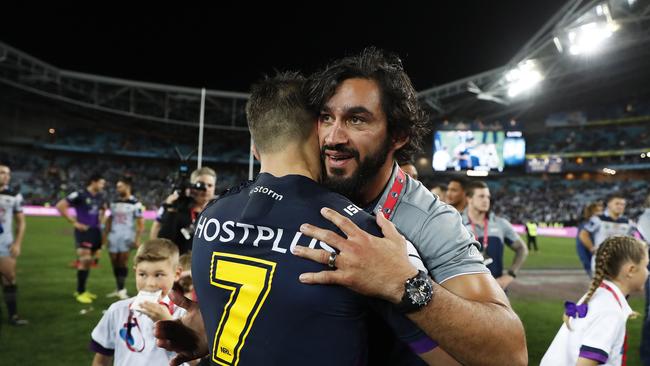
{"x": 477, "y": 150}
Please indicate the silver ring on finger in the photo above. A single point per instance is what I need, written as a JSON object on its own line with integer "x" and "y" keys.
{"x": 331, "y": 261}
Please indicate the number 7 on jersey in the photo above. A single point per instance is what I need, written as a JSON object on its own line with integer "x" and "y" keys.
{"x": 249, "y": 282}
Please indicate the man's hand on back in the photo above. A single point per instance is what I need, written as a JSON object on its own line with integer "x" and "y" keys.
{"x": 367, "y": 264}
{"x": 185, "y": 336}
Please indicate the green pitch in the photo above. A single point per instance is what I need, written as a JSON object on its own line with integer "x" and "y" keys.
{"x": 58, "y": 334}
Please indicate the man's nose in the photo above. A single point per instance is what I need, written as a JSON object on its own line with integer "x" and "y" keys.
{"x": 336, "y": 134}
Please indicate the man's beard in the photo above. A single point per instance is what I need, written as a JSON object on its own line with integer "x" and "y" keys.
{"x": 366, "y": 170}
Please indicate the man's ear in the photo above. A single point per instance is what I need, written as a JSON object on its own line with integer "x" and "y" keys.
{"x": 399, "y": 142}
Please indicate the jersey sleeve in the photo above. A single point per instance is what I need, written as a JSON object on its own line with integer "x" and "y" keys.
{"x": 601, "y": 336}
{"x": 137, "y": 213}
{"x": 643, "y": 226}
{"x": 403, "y": 328}
{"x": 447, "y": 247}
{"x": 593, "y": 225}
{"x": 510, "y": 236}
{"x": 18, "y": 204}
{"x": 104, "y": 333}
{"x": 73, "y": 198}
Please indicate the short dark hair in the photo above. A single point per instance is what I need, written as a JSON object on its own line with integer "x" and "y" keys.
{"x": 94, "y": 178}
{"x": 615, "y": 195}
{"x": 474, "y": 185}
{"x": 126, "y": 179}
{"x": 404, "y": 114}
{"x": 277, "y": 111}
{"x": 462, "y": 181}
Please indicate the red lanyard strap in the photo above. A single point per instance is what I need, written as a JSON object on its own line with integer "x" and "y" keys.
{"x": 608, "y": 288}
{"x": 485, "y": 230}
{"x": 393, "y": 194}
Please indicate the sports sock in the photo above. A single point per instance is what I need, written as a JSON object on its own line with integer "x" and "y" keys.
{"x": 120, "y": 276}
{"x": 10, "y": 298}
{"x": 82, "y": 277}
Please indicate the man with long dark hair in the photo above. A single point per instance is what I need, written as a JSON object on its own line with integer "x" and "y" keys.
{"x": 369, "y": 118}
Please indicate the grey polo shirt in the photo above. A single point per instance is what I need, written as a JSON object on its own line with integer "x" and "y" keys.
{"x": 499, "y": 233}
{"x": 435, "y": 228}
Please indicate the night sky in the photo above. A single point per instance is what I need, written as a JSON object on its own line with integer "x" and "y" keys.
{"x": 229, "y": 46}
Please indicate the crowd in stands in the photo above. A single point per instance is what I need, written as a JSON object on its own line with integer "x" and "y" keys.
{"x": 529, "y": 198}
{"x": 45, "y": 177}
{"x": 140, "y": 145}
{"x": 597, "y": 138}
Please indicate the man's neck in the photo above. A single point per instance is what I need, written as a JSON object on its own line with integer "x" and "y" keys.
{"x": 292, "y": 160}
{"x": 376, "y": 186}
{"x": 125, "y": 196}
{"x": 91, "y": 191}
{"x": 614, "y": 216}
{"x": 476, "y": 215}
{"x": 460, "y": 206}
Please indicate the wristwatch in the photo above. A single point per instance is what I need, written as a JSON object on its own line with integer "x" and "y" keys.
{"x": 418, "y": 291}
{"x": 512, "y": 273}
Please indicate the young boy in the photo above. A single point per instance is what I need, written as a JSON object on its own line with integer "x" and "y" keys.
{"x": 125, "y": 332}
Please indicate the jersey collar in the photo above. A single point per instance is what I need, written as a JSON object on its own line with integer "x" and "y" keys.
{"x": 372, "y": 207}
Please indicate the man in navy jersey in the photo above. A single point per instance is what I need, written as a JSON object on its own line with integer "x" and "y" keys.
{"x": 89, "y": 204}
{"x": 255, "y": 311}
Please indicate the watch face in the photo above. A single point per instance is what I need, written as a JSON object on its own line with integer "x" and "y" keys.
{"x": 420, "y": 291}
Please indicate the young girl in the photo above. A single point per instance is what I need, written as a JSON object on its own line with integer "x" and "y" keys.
{"x": 593, "y": 332}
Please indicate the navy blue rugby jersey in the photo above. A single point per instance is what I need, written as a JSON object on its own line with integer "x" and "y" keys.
{"x": 255, "y": 310}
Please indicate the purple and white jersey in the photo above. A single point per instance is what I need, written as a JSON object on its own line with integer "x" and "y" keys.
{"x": 87, "y": 206}
{"x": 11, "y": 203}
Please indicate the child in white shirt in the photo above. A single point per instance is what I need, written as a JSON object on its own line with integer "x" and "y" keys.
{"x": 124, "y": 335}
{"x": 593, "y": 332}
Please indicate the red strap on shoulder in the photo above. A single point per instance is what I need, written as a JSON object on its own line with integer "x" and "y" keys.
{"x": 393, "y": 194}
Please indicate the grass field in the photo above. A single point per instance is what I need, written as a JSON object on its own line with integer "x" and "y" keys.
{"x": 59, "y": 334}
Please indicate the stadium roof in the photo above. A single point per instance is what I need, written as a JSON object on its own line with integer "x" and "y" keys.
{"x": 227, "y": 46}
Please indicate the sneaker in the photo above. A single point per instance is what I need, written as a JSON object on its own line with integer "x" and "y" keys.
{"x": 122, "y": 295}
{"x": 91, "y": 295}
{"x": 113, "y": 294}
{"x": 84, "y": 297}
{"x": 17, "y": 321}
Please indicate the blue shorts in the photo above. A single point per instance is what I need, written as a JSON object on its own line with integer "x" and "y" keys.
{"x": 89, "y": 239}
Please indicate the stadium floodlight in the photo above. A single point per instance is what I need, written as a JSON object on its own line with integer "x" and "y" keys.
{"x": 589, "y": 38}
{"x": 609, "y": 171}
{"x": 523, "y": 78}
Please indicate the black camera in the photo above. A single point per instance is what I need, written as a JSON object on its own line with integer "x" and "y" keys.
{"x": 183, "y": 184}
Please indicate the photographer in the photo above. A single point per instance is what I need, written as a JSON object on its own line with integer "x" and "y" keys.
{"x": 175, "y": 220}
